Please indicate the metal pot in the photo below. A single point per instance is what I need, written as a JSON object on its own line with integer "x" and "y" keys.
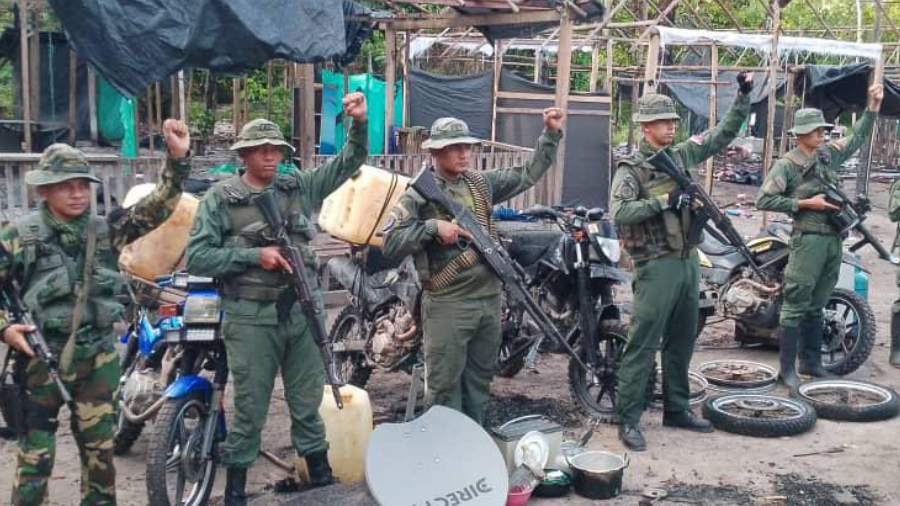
{"x": 598, "y": 475}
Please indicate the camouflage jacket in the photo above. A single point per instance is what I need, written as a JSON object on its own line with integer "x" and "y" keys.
{"x": 211, "y": 250}
{"x": 412, "y": 226}
{"x": 788, "y": 183}
{"x": 125, "y": 226}
{"x": 647, "y": 229}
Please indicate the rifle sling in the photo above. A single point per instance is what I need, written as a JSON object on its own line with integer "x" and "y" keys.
{"x": 82, "y": 295}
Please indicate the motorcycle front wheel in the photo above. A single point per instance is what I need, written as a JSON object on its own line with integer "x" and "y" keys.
{"x": 350, "y": 367}
{"x": 849, "y": 332}
{"x": 598, "y": 394}
{"x": 177, "y": 472}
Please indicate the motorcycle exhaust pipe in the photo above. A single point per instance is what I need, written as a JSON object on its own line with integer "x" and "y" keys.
{"x": 406, "y": 336}
{"x": 763, "y": 288}
{"x": 134, "y": 419}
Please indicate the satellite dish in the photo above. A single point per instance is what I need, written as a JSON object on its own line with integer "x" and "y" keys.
{"x": 438, "y": 459}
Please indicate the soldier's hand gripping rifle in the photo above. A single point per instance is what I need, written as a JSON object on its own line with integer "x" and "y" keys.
{"x": 496, "y": 258}
{"x": 708, "y": 210}
{"x": 299, "y": 281}
{"x": 11, "y": 299}
{"x": 850, "y": 215}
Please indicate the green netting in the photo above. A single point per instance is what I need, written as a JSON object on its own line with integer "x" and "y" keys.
{"x": 331, "y": 134}
{"x": 115, "y": 117}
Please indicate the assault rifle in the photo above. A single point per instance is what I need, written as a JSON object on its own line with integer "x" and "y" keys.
{"x": 850, "y": 215}
{"x": 299, "y": 281}
{"x": 11, "y": 299}
{"x": 707, "y": 212}
{"x": 496, "y": 258}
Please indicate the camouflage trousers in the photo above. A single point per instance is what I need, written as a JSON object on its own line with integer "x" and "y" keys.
{"x": 92, "y": 382}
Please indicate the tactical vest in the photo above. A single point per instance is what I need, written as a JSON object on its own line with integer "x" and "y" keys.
{"x": 439, "y": 265}
{"x": 661, "y": 234}
{"x": 248, "y": 229}
{"x": 815, "y": 222}
{"x": 51, "y": 277}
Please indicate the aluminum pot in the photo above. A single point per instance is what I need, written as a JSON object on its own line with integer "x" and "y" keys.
{"x": 598, "y": 475}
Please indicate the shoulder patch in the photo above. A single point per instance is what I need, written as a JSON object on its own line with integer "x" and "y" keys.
{"x": 698, "y": 139}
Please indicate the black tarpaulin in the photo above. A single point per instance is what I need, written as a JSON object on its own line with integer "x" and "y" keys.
{"x": 593, "y": 8}
{"x": 133, "y": 43}
{"x": 468, "y": 98}
{"x": 837, "y": 89}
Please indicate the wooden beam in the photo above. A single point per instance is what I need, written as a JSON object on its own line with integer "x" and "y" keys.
{"x": 26, "y": 75}
{"x": 773, "y": 88}
{"x": 595, "y": 68}
{"x": 729, "y": 15}
{"x": 662, "y": 15}
{"x": 652, "y": 65}
{"x": 442, "y": 21}
{"x": 564, "y": 64}
{"x": 235, "y": 105}
{"x": 787, "y": 118}
{"x": 498, "y": 68}
{"x": 713, "y": 109}
{"x": 306, "y": 75}
{"x": 818, "y": 16}
{"x": 390, "y": 54}
{"x": 34, "y": 47}
{"x": 73, "y": 96}
{"x": 92, "y": 105}
{"x": 607, "y": 81}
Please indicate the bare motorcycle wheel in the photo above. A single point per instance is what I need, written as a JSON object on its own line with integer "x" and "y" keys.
{"x": 851, "y": 401}
{"x": 759, "y": 415}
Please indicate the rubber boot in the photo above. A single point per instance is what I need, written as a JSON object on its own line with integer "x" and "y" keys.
{"x": 235, "y": 485}
{"x": 895, "y": 340}
{"x": 811, "y": 334}
{"x": 787, "y": 358}
{"x": 319, "y": 470}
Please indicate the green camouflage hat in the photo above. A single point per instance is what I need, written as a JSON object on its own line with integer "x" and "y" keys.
{"x": 654, "y": 107}
{"x": 808, "y": 120}
{"x": 258, "y": 132}
{"x": 448, "y": 131}
{"x": 60, "y": 162}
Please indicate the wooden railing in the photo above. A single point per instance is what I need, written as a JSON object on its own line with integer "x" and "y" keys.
{"x": 118, "y": 176}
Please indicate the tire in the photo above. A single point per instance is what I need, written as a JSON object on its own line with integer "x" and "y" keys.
{"x": 159, "y": 452}
{"x": 727, "y": 413}
{"x": 350, "y": 368}
{"x": 611, "y": 339}
{"x": 857, "y": 321}
{"x": 698, "y": 393}
{"x": 762, "y": 377}
{"x": 510, "y": 368}
{"x": 881, "y": 403}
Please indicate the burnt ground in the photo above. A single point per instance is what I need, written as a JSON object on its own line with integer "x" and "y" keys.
{"x": 718, "y": 469}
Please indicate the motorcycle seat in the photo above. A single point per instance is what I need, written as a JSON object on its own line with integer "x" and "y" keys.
{"x": 529, "y": 242}
{"x": 713, "y": 247}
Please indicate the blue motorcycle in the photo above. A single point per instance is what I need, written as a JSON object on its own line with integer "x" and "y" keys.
{"x": 181, "y": 452}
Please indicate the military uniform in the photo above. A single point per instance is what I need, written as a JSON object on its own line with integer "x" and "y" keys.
{"x": 461, "y": 302}
{"x": 264, "y": 328}
{"x": 816, "y": 250}
{"x": 47, "y": 256}
{"x": 666, "y": 267}
{"x": 894, "y": 215}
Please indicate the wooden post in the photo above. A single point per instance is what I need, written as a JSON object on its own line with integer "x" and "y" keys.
{"x": 607, "y": 81}
{"x": 182, "y": 97}
{"x": 150, "y": 128}
{"x": 652, "y": 65}
{"x": 595, "y": 68}
{"x": 635, "y": 93}
{"x": 404, "y": 58}
{"x": 346, "y": 75}
{"x": 235, "y": 105}
{"x": 390, "y": 53}
{"x": 564, "y": 65}
{"x": 73, "y": 96}
{"x": 24, "y": 66}
{"x": 269, "y": 89}
{"x": 713, "y": 108}
{"x": 773, "y": 87}
{"x": 865, "y": 165}
{"x": 157, "y": 89}
{"x": 537, "y": 65}
{"x": 92, "y": 105}
{"x": 498, "y": 66}
{"x": 35, "y": 62}
{"x": 787, "y": 118}
{"x": 306, "y": 81}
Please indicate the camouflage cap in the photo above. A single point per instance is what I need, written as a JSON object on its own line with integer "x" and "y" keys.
{"x": 654, "y": 107}
{"x": 258, "y": 132}
{"x": 448, "y": 131}
{"x": 808, "y": 120}
{"x": 60, "y": 162}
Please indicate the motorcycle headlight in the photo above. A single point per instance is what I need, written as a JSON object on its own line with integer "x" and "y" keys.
{"x": 610, "y": 248}
{"x": 201, "y": 308}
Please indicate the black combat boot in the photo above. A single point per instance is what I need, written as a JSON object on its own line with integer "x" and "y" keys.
{"x": 631, "y": 436}
{"x": 686, "y": 420}
{"x": 235, "y": 485}
{"x": 895, "y": 340}
{"x": 787, "y": 358}
{"x": 319, "y": 469}
{"x": 811, "y": 334}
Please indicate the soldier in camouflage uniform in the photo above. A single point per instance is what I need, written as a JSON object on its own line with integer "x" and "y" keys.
{"x": 46, "y": 253}
{"x": 816, "y": 250}
{"x": 653, "y": 216}
{"x": 461, "y": 302}
{"x": 264, "y": 328}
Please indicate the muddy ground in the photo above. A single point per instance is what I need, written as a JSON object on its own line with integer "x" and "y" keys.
{"x": 709, "y": 469}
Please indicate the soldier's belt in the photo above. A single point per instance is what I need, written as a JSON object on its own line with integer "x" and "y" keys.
{"x": 814, "y": 228}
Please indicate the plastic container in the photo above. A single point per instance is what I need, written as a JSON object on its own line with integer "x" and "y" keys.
{"x": 162, "y": 250}
{"x": 347, "y": 432}
{"x": 519, "y": 495}
{"x": 357, "y": 211}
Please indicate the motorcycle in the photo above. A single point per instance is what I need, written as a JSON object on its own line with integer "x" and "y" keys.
{"x": 732, "y": 288}
{"x": 573, "y": 272}
{"x": 182, "y": 446}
